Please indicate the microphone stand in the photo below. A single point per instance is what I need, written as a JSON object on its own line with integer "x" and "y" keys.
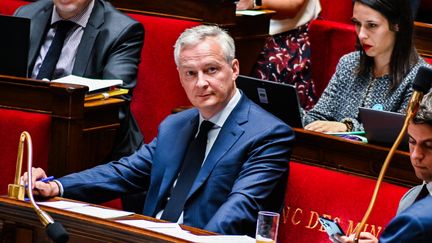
{"x": 54, "y": 230}
{"x": 384, "y": 167}
{"x": 421, "y": 85}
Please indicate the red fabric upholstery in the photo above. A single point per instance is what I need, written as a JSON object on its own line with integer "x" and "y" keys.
{"x": 314, "y": 191}
{"x": 329, "y": 41}
{"x": 12, "y": 123}
{"x": 428, "y": 59}
{"x": 8, "y": 7}
{"x": 336, "y": 10}
{"x": 158, "y": 89}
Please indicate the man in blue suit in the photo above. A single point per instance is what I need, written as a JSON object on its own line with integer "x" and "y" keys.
{"x": 246, "y": 157}
{"x": 413, "y": 225}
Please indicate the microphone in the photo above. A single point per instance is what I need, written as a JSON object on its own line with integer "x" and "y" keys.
{"x": 54, "y": 230}
{"x": 421, "y": 85}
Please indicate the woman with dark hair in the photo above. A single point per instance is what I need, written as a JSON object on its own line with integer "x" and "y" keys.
{"x": 379, "y": 75}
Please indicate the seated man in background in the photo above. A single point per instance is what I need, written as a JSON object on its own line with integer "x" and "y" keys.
{"x": 87, "y": 38}
{"x": 213, "y": 166}
{"x": 413, "y": 222}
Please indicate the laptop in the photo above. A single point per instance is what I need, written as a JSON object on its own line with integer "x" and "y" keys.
{"x": 14, "y": 45}
{"x": 382, "y": 127}
{"x": 277, "y": 98}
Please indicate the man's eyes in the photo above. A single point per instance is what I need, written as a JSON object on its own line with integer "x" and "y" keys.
{"x": 212, "y": 70}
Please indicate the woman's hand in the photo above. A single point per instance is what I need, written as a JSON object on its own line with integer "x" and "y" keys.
{"x": 326, "y": 126}
{"x": 245, "y": 4}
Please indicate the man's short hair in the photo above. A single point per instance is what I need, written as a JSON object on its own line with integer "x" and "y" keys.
{"x": 424, "y": 113}
{"x": 194, "y": 35}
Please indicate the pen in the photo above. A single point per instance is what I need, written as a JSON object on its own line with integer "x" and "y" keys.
{"x": 46, "y": 179}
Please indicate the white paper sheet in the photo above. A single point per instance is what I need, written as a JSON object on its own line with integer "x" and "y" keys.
{"x": 175, "y": 230}
{"x": 100, "y": 212}
{"x": 62, "y": 204}
{"x": 250, "y": 12}
{"x": 93, "y": 84}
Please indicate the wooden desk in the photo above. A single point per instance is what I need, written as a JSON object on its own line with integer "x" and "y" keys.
{"x": 353, "y": 157}
{"x": 423, "y": 38}
{"x": 19, "y": 223}
{"x": 249, "y": 32}
{"x": 82, "y": 134}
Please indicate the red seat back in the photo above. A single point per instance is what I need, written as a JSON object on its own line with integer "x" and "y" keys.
{"x": 329, "y": 42}
{"x": 8, "y": 7}
{"x": 158, "y": 90}
{"x": 12, "y": 123}
{"x": 314, "y": 191}
{"x": 337, "y": 10}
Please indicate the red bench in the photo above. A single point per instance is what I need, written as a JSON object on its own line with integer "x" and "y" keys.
{"x": 313, "y": 191}
{"x": 158, "y": 89}
{"x": 12, "y": 124}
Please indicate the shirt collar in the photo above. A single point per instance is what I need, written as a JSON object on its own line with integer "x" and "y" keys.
{"x": 220, "y": 118}
{"x": 80, "y": 19}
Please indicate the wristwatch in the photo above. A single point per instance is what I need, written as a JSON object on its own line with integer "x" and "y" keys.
{"x": 257, "y": 3}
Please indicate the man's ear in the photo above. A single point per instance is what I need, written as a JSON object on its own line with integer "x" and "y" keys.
{"x": 396, "y": 27}
{"x": 235, "y": 67}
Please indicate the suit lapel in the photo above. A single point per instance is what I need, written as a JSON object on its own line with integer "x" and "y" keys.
{"x": 39, "y": 25}
{"x": 172, "y": 166}
{"x": 88, "y": 39}
{"x": 228, "y": 136}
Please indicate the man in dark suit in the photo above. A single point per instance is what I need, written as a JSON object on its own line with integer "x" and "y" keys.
{"x": 412, "y": 225}
{"x": 101, "y": 43}
{"x": 247, "y": 151}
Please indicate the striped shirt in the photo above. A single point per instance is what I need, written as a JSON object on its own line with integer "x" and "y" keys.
{"x": 66, "y": 61}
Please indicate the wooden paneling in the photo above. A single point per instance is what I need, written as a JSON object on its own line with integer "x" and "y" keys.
{"x": 18, "y": 219}
{"x": 350, "y": 156}
{"x": 82, "y": 134}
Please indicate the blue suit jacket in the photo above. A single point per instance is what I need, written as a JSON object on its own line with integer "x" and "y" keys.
{"x": 244, "y": 172}
{"x": 412, "y": 225}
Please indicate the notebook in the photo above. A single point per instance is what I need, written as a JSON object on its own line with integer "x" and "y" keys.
{"x": 382, "y": 127}
{"x": 277, "y": 98}
{"x": 14, "y": 45}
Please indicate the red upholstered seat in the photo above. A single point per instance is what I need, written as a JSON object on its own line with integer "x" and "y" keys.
{"x": 158, "y": 89}
{"x": 12, "y": 123}
{"x": 314, "y": 191}
{"x": 8, "y": 7}
{"x": 428, "y": 59}
{"x": 337, "y": 10}
{"x": 329, "y": 42}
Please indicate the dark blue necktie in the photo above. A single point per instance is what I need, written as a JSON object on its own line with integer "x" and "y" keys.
{"x": 50, "y": 61}
{"x": 423, "y": 193}
{"x": 191, "y": 166}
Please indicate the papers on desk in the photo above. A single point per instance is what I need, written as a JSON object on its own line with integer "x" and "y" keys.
{"x": 86, "y": 209}
{"x": 175, "y": 230}
{"x": 250, "y": 12}
{"x": 93, "y": 84}
{"x": 62, "y": 204}
{"x": 103, "y": 213}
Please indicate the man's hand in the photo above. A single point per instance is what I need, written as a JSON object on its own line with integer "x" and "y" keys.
{"x": 365, "y": 237}
{"x": 44, "y": 189}
{"x": 326, "y": 126}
